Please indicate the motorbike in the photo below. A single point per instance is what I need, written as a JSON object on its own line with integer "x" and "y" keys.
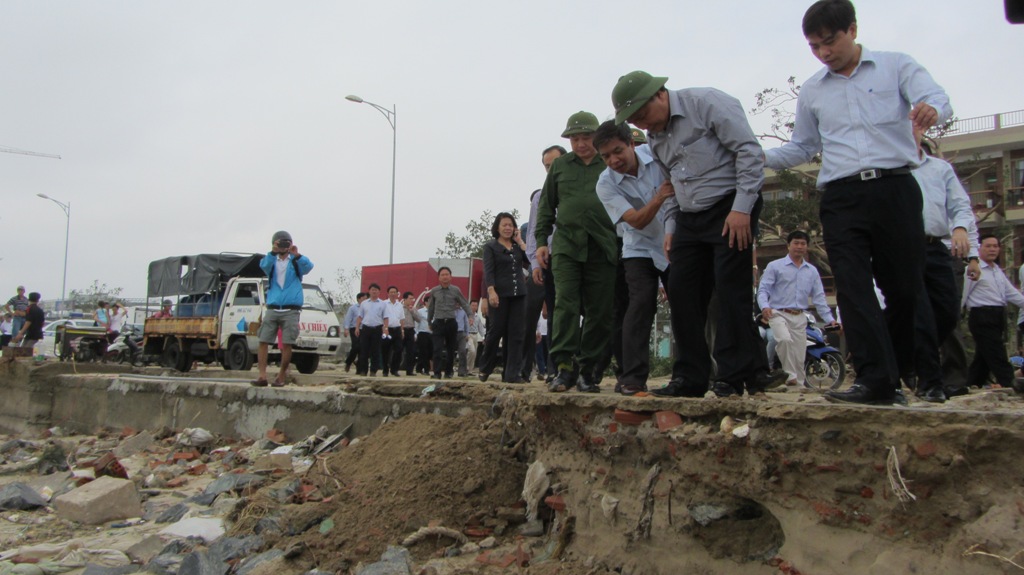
{"x": 824, "y": 367}
{"x": 124, "y": 348}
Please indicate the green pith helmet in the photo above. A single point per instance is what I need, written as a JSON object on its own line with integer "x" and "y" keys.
{"x": 580, "y": 123}
{"x": 632, "y": 91}
{"x": 639, "y": 137}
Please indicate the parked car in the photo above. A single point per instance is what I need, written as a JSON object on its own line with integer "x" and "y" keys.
{"x": 48, "y": 345}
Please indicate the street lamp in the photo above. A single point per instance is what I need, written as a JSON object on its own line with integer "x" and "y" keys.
{"x": 67, "y": 232}
{"x": 392, "y": 117}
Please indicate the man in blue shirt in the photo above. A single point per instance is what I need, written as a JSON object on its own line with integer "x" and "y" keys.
{"x": 633, "y": 191}
{"x": 786, "y": 287}
{"x": 860, "y": 113}
{"x": 371, "y": 327}
{"x": 350, "y": 328}
{"x": 285, "y": 268}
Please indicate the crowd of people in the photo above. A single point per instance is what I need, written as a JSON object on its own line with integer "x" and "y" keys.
{"x": 674, "y": 203}
{"x": 671, "y": 206}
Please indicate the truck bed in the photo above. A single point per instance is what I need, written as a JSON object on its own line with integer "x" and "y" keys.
{"x": 192, "y": 327}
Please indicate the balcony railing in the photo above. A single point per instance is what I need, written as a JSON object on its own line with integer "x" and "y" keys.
{"x": 983, "y": 199}
{"x": 984, "y": 123}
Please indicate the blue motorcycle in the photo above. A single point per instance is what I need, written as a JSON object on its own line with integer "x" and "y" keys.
{"x": 824, "y": 367}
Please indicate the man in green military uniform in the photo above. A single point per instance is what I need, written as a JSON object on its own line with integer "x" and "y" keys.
{"x": 583, "y": 256}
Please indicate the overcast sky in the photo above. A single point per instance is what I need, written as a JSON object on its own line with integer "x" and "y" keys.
{"x": 190, "y": 127}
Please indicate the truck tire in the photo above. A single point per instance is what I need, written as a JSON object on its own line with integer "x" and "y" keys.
{"x": 306, "y": 362}
{"x": 238, "y": 357}
{"x": 175, "y": 355}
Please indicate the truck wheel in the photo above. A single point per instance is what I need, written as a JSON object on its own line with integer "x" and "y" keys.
{"x": 175, "y": 356}
{"x": 306, "y": 362}
{"x": 238, "y": 356}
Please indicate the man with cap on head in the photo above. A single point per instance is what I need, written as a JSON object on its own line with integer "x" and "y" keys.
{"x": 285, "y": 269}
{"x": 582, "y": 256}
{"x": 702, "y": 142}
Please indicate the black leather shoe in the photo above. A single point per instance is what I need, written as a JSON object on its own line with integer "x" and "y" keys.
{"x": 483, "y": 376}
{"x": 860, "y": 393}
{"x": 770, "y": 380}
{"x": 564, "y": 381}
{"x": 955, "y": 391}
{"x": 899, "y": 399}
{"x": 910, "y": 381}
{"x": 586, "y": 384}
{"x": 436, "y": 376}
{"x": 629, "y": 390}
{"x": 680, "y": 388}
{"x": 723, "y": 389}
{"x": 933, "y": 394}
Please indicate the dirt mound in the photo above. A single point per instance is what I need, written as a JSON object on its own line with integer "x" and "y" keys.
{"x": 419, "y": 470}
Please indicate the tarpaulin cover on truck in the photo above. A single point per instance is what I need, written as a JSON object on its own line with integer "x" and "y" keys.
{"x": 202, "y": 273}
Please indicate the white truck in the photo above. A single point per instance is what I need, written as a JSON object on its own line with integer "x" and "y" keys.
{"x": 221, "y": 299}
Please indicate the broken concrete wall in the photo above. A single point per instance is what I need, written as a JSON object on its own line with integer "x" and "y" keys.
{"x": 32, "y": 399}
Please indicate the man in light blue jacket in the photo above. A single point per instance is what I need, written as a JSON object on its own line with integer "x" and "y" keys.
{"x": 285, "y": 268}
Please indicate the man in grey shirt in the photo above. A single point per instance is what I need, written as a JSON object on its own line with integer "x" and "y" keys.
{"x": 702, "y": 142}
{"x": 444, "y": 298}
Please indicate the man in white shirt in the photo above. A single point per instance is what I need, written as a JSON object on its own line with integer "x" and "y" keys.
{"x": 950, "y": 231}
{"x": 391, "y": 346}
{"x": 860, "y": 113}
{"x": 985, "y": 300}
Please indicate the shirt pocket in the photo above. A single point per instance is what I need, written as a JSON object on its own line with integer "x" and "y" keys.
{"x": 881, "y": 106}
{"x": 699, "y": 156}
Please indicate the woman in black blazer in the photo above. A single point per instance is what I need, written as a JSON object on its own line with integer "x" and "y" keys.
{"x": 504, "y": 262}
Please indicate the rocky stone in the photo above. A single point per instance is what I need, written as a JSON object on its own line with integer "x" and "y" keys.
{"x": 250, "y": 563}
{"x": 145, "y": 549}
{"x": 533, "y": 528}
{"x": 99, "y": 501}
{"x": 488, "y": 543}
{"x": 17, "y": 496}
{"x": 172, "y": 514}
{"x": 199, "y": 563}
{"x": 134, "y": 444}
{"x": 227, "y": 549}
{"x": 394, "y": 561}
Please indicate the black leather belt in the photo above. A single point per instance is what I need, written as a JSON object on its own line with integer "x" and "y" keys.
{"x": 872, "y": 174}
{"x": 284, "y": 307}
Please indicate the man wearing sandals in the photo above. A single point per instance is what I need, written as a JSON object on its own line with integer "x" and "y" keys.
{"x": 285, "y": 268}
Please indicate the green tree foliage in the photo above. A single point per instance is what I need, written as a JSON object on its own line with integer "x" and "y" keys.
{"x": 471, "y": 244}
{"x": 86, "y": 299}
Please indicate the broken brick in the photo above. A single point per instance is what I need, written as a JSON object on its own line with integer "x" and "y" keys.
{"x": 925, "y": 450}
{"x": 627, "y": 417}
{"x": 598, "y": 440}
{"x": 867, "y": 493}
{"x": 555, "y": 502}
{"x": 197, "y": 469}
{"x": 613, "y": 427}
{"x": 667, "y": 420}
{"x": 277, "y": 436}
{"x": 177, "y": 482}
{"x": 185, "y": 455}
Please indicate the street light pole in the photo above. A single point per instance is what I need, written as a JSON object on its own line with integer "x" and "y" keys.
{"x": 67, "y": 233}
{"x": 392, "y": 117}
